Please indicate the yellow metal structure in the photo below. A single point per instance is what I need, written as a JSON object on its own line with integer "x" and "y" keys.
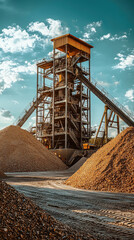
{"x": 75, "y": 44}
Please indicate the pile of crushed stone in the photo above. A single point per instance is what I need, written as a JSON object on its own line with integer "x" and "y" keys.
{"x": 20, "y": 218}
{"x": 21, "y": 152}
{"x": 2, "y": 175}
{"x": 111, "y": 168}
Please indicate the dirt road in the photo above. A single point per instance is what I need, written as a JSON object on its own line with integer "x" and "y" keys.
{"x": 104, "y": 215}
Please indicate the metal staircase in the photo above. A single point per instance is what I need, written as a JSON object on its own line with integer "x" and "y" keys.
{"x": 28, "y": 111}
{"x": 73, "y": 137}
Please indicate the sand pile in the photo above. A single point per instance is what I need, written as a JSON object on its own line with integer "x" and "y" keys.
{"x": 111, "y": 168}
{"x": 2, "y": 175}
{"x": 20, "y": 151}
{"x": 20, "y": 218}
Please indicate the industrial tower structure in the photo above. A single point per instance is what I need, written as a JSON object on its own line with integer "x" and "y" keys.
{"x": 62, "y": 104}
{"x": 63, "y": 116}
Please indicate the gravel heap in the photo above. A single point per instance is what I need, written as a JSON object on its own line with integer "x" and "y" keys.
{"x": 2, "y": 175}
{"x": 21, "y": 152}
{"x": 111, "y": 168}
{"x": 20, "y": 218}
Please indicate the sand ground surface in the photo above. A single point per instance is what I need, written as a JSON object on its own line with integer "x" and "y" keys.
{"x": 104, "y": 215}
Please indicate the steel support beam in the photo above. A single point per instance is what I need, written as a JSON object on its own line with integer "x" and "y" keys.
{"x": 53, "y": 101}
{"x": 37, "y": 103}
{"x": 106, "y": 123}
{"x": 89, "y": 102}
{"x": 106, "y": 100}
{"x": 66, "y": 98}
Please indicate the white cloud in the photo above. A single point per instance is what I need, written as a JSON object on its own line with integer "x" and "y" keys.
{"x": 130, "y": 95}
{"x": 127, "y": 107}
{"x": 114, "y": 37}
{"x": 23, "y": 87}
{"x": 10, "y": 73}
{"x": 112, "y": 133}
{"x": 117, "y": 98}
{"x": 90, "y": 30}
{"x": 58, "y": 53}
{"x": 105, "y": 36}
{"x": 93, "y": 29}
{"x": 52, "y": 29}
{"x": 116, "y": 83}
{"x": 103, "y": 84}
{"x": 6, "y": 117}
{"x": 33, "y": 118}
{"x": 28, "y": 68}
{"x": 14, "y": 39}
{"x": 124, "y": 61}
{"x": 15, "y": 102}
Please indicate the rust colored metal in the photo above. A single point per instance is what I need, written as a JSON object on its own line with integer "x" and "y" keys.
{"x": 63, "y": 104}
{"x": 109, "y": 120}
{"x": 63, "y": 116}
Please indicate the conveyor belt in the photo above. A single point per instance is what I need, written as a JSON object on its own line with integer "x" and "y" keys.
{"x": 27, "y": 113}
{"x": 120, "y": 111}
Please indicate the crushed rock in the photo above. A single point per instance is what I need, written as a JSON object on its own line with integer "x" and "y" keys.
{"x": 111, "y": 168}
{"x": 2, "y": 175}
{"x": 20, "y": 218}
{"x": 21, "y": 152}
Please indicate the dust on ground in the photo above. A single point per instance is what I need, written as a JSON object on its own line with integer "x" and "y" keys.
{"x": 102, "y": 214}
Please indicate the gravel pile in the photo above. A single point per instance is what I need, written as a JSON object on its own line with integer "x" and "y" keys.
{"x": 20, "y": 218}
{"x": 2, "y": 175}
{"x": 111, "y": 168}
{"x": 21, "y": 152}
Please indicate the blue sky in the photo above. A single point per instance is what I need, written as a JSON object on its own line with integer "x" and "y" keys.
{"x": 26, "y": 28}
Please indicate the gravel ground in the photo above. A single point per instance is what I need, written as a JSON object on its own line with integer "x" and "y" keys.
{"x": 20, "y": 219}
{"x": 104, "y": 215}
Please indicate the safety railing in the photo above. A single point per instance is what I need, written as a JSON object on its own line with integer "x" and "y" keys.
{"x": 25, "y": 111}
{"x": 112, "y": 99}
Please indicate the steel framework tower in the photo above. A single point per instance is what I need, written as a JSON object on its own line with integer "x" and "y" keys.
{"x": 62, "y": 104}
{"x": 63, "y": 116}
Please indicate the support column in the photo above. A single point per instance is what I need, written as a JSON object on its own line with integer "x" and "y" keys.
{"x": 44, "y": 110}
{"x": 106, "y": 124}
{"x": 81, "y": 112}
{"x": 53, "y": 96}
{"x": 89, "y": 104}
{"x": 66, "y": 99}
{"x": 37, "y": 105}
{"x": 118, "y": 125}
